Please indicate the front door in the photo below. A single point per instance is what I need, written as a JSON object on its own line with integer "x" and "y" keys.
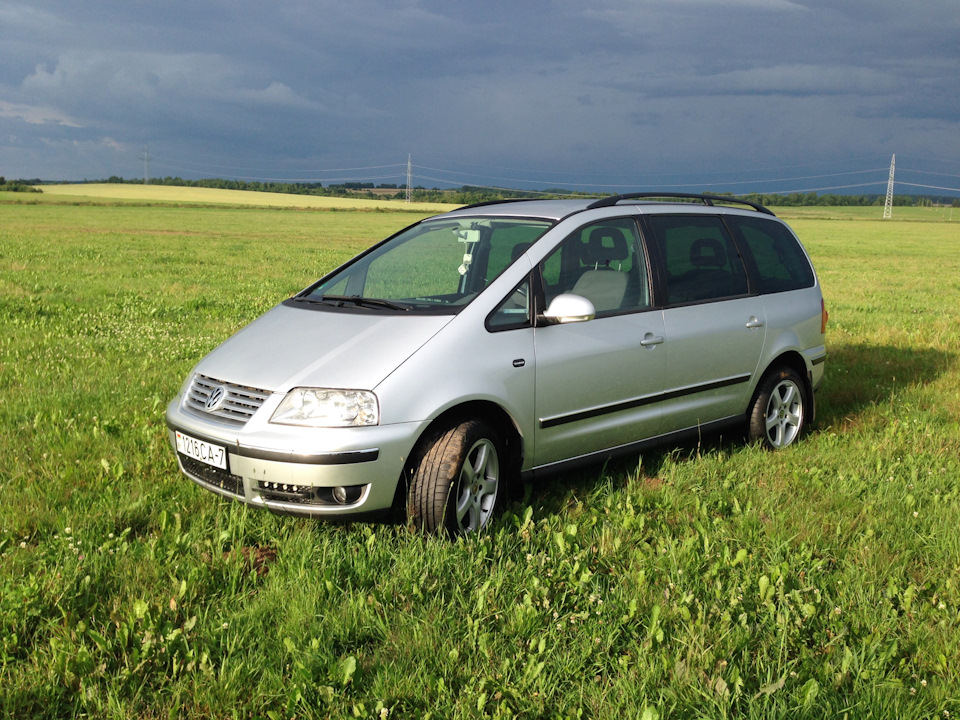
{"x": 598, "y": 382}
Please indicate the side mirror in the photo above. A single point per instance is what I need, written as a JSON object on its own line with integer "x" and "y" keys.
{"x": 569, "y": 308}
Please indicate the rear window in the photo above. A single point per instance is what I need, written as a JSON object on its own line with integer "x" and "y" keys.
{"x": 779, "y": 262}
{"x": 700, "y": 258}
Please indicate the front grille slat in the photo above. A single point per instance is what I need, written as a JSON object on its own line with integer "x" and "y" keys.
{"x": 214, "y": 476}
{"x": 297, "y": 494}
{"x": 238, "y": 407}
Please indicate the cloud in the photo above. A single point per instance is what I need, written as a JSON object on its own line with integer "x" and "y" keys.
{"x": 135, "y": 76}
{"x": 796, "y": 80}
{"x": 36, "y": 115}
{"x": 277, "y": 94}
{"x": 112, "y": 144}
{"x": 593, "y": 88}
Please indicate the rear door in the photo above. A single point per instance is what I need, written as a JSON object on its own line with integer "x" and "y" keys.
{"x": 713, "y": 325}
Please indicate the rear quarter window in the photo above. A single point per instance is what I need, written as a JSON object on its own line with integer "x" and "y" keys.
{"x": 779, "y": 262}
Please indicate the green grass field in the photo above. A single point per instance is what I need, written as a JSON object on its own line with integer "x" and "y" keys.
{"x": 712, "y": 580}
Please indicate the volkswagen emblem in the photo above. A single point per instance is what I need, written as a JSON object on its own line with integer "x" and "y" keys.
{"x": 216, "y": 399}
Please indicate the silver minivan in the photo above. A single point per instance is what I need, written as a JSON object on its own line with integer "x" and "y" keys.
{"x": 507, "y": 340}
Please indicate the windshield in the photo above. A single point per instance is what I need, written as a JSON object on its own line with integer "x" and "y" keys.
{"x": 438, "y": 265}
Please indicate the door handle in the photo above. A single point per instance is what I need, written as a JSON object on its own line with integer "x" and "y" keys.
{"x": 650, "y": 339}
{"x": 753, "y": 322}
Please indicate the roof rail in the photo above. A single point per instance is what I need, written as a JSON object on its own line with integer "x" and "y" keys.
{"x": 612, "y": 200}
{"x": 497, "y": 202}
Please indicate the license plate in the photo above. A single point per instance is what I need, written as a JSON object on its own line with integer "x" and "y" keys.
{"x": 215, "y": 455}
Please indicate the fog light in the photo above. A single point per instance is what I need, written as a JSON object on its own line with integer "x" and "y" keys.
{"x": 340, "y": 495}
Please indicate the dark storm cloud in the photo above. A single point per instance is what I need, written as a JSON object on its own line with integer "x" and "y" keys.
{"x": 570, "y": 92}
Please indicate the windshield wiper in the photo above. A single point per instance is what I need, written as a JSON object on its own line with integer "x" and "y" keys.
{"x": 356, "y": 300}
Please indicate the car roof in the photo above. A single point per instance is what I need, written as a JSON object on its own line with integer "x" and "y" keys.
{"x": 548, "y": 209}
{"x": 559, "y": 209}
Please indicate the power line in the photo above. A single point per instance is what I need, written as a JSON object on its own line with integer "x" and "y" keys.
{"x": 499, "y": 187}
{"x": 928, "y": 159}
{"x": 407, "y": 173}
{"x": 929, "y": 187}
{"x": 661, "y": 185}
{"x": 631, "y": 176}
{"x": 174, "y": 161}
{"x": 820, "y": 189}
{"x": 348, "y": 178}
{"x": 927, "y": 172}
{"x": 699, "y": 184}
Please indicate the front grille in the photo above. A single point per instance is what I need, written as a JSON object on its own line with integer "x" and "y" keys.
{"x": 212, "y": 475}
{"x": 238, "y": 406}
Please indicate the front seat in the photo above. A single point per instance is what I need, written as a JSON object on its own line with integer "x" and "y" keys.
{"x": 603, "y": 283}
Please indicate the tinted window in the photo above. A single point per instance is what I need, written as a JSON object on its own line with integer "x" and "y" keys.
{"x": 778, "y": 260}
{"x": 603, "y": 262}
{"x": 700, "y": 258}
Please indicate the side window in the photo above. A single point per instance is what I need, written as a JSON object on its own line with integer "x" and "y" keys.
{"x": 603, "y": 262}
{"x": 700, "y": 258}
{"x": 514, "y": 312}
{"x": 778, "y": 259}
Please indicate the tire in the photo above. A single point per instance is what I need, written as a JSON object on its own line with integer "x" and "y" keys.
{"x": 458, "y": 483}
{"x": 778, "y": 413}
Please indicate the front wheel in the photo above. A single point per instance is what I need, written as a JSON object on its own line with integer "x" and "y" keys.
{"x": 458, "y": 483}
{"x": 779, "y": 409}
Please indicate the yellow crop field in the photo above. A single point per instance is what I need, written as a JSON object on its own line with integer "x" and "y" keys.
{"x": 98, "y": 192}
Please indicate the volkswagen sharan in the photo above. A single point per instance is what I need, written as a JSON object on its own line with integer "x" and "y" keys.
{"x": 508, "y": 340}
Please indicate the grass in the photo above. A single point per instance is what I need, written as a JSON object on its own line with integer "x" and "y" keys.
{"x": 711, "y": 580}
{"x": 872, "y": 212}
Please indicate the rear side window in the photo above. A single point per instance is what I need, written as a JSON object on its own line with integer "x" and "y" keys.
{"x": 701, "y": 261}
{"x": 779, "y": 262}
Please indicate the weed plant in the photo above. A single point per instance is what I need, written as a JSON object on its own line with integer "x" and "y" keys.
{"x": 710, "y": 580}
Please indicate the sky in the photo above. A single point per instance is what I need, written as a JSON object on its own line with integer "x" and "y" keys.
{"x": 606, "y": 95}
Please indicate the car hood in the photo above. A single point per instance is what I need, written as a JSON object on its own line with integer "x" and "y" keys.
{"x": 291, "y": 347}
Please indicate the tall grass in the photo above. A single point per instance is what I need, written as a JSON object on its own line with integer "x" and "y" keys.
{"x": 709, "y": 580}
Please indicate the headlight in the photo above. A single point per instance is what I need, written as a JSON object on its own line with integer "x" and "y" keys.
{"x": 321, "y": 407}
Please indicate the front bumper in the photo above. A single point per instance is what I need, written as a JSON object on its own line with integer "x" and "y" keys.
{"x": 293, "y": 470}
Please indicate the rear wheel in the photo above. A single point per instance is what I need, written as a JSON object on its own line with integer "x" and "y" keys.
{"x": 457, "y": 485}
{"x": 778, "y": 413}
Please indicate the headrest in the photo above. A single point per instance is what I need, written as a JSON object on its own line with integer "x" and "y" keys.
{"x": 605, "y": 245}
{"x": 519, "y": 249}
{"x": 707, "y": 253}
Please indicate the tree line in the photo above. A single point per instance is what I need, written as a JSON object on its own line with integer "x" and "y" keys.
{"x": 470, "y": 194}
{"x": 18, "y": 185}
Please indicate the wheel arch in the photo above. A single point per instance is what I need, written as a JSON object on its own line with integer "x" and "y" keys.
{"x": 793, "y": 360}
{"x": 484, "y": 410}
